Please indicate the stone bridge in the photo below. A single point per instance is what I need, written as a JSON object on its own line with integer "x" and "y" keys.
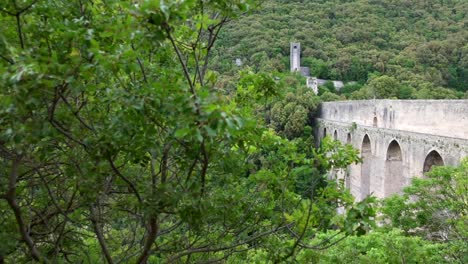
{"x": 397, "y": 139}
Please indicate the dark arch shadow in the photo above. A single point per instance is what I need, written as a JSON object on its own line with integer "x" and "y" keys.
{"x": 394, "y": 178}
{"x": 366, "y": 155}
{"x": 432, "y": 159}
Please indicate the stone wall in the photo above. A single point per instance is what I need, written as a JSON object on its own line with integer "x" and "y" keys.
{"x": 405, "y": 138}
{"x": 440, "y": 117}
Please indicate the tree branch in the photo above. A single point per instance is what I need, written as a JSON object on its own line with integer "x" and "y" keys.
{"x": 129, "y": 183}
{"x": 205, "y": 163}
{"x": 26, "y": 8}
{"x": 75, "y": 113}
{"x": 7, "y": 59}
{"x": 152, "y": 234}
{"x": 142, "y": 69}
{"x": 179, "y": 56}
{"x": 100, "y": 236}
{"x": 18, "y": 25}
{"x": 210, "y": 249}
{"x": 211, "y": 41}
{"x": 13, "y": 203}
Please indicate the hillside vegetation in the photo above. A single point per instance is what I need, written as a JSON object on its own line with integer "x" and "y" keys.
{"x": 417, "y": 49}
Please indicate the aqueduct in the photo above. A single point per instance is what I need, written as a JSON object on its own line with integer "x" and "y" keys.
{"x": 397, "y": 139}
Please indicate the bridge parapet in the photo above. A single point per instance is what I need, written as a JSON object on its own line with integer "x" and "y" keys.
{"x": 436, "y": 117}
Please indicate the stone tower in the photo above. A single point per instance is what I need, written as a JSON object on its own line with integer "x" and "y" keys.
{"x": 295, "y": 57}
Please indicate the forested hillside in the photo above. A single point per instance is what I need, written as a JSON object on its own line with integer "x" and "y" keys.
{"x": 419, "y": 46}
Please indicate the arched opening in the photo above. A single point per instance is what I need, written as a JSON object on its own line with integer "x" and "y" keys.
{"x": 374, "y": 123}
{"x": 348, "y": 138}
{"x": 335, "y": 135}
{"x": 432, "y": 159}
{"x": 394, "y": 151}
{"x": 366, "y": 145}
{"x": 394, "y": 178}
{"x": 324, "y": 132}
{"x": 366, "y": 154}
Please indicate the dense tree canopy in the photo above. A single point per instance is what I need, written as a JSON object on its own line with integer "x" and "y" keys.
{"x": 436, "y": 209}
{"x": 421, "y": 44}
{"x": 117, "y": 144}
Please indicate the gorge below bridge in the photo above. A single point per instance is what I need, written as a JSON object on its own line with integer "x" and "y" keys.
{"x": 397, "y": 139}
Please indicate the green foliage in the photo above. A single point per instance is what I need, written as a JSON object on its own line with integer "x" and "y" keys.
{"x": 416, "y": 45}
{"x": 314, "y": 214}
{"x": 329, "y": 96}
{"x": 436, "y": 93}
{"x": 405, "y": 92}
{"x": 318, "y": 67}
{"x": 290, "y": 116}
{"x": 330, "y": 86}
{"x": 427, "y": 224}
{"x": 363, "y": 94}
{"x": 380, "y": 247}
{"x": 350, "y": 88}
{"x": 119, "y": 145}
{"x": 323, "y": 89}
{"x": 256, "y": 87}
{"x": 280, "y": 101}
{"x": 384, "y": 87}
{"x": 435, "y": 208}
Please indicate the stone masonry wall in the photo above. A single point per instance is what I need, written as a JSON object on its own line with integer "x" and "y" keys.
{"x": 439, "y": 117}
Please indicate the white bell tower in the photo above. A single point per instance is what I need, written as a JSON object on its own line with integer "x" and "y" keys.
{"x": 295, "y": 57}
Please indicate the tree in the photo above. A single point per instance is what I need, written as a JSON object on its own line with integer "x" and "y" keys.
{"x": 405, "y": 92}
{"x": 111, "y": 122}
{"x": 436, "y": 93}
{"x": 329, "y": 96}
{"x": 290, "y": 116}
{"x": 384, "y": 87}
{"x": 435, "y": 208}
{"x": 380, "y": 246}
{"x": 421, "y": 43}
{"x": 118, "y": 146}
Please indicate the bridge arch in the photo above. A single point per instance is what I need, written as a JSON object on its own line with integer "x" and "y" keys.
{"x": 366, "y": 155}
{"x": 335, "y": 135}
{"x": 394, "y": 178}
{"x": 366, "y": 145}
{"x": 348, "y": 138}
{"x": 433, "y": 158}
